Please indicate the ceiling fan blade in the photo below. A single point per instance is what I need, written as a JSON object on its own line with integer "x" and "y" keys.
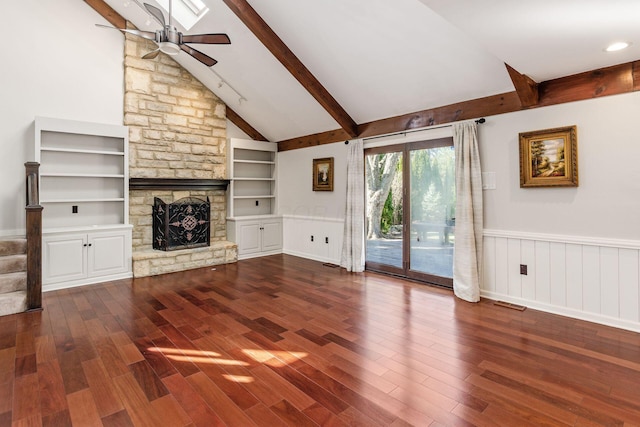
{"x": 144, "y": 34}
{"x": 151, "y": 54}
{"x": 156, "y": 13}
{"x": 207, "y": 39}
{"x": 205, "y": 59}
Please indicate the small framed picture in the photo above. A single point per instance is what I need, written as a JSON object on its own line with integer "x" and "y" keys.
{"x": 323, "y": 174}
{"x": 549, "y": 158}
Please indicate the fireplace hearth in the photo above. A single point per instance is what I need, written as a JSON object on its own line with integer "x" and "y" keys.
{"x": 182, "y": 224}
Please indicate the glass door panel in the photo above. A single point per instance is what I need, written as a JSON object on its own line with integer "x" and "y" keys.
{"x": 433, "y": 202}
{"x": 384, "y": 211}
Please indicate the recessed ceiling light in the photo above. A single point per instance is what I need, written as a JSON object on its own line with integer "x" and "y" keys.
{"x": 613, "y": 47}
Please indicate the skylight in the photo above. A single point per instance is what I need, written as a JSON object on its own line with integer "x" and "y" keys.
{"x": 186, "y": 12}
{"x": 196, "y": 6}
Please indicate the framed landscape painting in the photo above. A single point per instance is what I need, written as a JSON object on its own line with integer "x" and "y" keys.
{"x": 323, "y": 174}
{"x": 549, "y": 158}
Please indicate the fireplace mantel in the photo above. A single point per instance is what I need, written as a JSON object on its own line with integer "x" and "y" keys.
{"x": 177, "y": 184}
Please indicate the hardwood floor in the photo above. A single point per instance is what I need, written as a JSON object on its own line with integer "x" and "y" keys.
{"x": 282, "y": 340}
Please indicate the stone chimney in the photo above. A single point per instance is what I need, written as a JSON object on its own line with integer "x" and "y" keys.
{"x": 177, "y": 130}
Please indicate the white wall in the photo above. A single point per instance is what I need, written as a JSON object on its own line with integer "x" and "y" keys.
{"x": 295, "y": 193}
{"x": 59, "y": 65}
{"x": 234, "y": 131}
{"x": 309, "y": 213}
{"x": 607, "y": 202}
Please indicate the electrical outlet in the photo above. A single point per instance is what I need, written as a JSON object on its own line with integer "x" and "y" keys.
{"x": 312, "y": 238}
{"x": 326, "y": 240}
{"x": 523, "y": 269}
{"x": 74, "y": 209}
{"x": 257, "y": 203}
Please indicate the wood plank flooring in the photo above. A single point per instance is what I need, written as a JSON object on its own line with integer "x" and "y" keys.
{"x": 280, "y": 340}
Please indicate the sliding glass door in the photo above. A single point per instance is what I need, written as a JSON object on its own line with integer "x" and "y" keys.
{"x": 410, "y": 192}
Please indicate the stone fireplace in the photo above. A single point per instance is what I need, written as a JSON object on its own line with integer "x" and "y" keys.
{"x": 177, "y": 150}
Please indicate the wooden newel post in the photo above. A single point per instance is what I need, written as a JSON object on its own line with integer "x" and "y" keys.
{"x": 34, "y": 237}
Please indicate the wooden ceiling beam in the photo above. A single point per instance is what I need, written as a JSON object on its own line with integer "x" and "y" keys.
{"x": 244, "y": 126}
{"x": 488, "y": 106}
{"x": 279, "y": 49}
{"x": 108, "y": 13}
{"x": 607, "y": 81}
{"x": 526, "y": 88}
{"x": 313, "y": 140}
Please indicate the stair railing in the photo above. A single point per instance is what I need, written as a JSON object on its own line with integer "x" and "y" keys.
{"x": 34, "y": 237}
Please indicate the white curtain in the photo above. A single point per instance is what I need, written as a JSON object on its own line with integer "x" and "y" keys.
{"x": 353, "y": 239}
{"x": 467, "y": 258}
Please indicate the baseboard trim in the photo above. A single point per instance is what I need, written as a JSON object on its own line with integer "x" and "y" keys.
{"x": 312, "y": 257}
{"x": 85, "y": 282}
{"x": 564, "y": 311}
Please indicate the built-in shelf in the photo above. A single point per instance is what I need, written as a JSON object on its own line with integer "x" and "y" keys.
{"x": 83, "y": 171}
{"x": 252, "y": 168}
{"x": 84, "y": 178}
{"x": 255, "y": 162}
{"x": 253, "y": 223}
{"x": 82, "y": 200}
{"x": 82, "y": 175}
{"x": 70, "y": 150}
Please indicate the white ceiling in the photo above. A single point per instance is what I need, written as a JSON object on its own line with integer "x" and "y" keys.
{"x": 383, "y": 58}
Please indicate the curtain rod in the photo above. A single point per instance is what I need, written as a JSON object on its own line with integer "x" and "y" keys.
{"x": 479, "y": 121}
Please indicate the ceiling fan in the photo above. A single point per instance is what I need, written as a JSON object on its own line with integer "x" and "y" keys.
{"x": 171, "y": 41}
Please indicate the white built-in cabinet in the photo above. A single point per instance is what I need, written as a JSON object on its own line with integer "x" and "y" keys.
{"x": 252, "y": 222}
{"x": 84, "y": 190}
{"x": 256, "y": 236}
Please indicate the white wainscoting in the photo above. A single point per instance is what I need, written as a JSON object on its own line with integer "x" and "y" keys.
{"x": 297, "y": 237}
{"x": 587, "y": 278}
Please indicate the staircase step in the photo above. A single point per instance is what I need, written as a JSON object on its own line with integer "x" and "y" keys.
{"x": 13, "y": 302}
{"x": 12, "y": 282}
{"x": 13, "y": 246}
{"x": 13, "y": 263}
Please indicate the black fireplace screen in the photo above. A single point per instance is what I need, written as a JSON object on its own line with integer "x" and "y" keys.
{"x": 181, "y": 224}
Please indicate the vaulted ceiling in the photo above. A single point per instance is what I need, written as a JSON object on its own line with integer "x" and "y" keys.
{"x": 309, "y": 72}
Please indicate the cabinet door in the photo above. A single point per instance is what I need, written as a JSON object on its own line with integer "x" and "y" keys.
{"x": 106, "y": 254}
{"x": 272, "y": 235}
{"x": 249, "y": 237}
{"x": 63, "y": 258}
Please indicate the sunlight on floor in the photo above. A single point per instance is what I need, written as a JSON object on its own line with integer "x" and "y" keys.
{"x": 196, "y": 356}
{"x": 239, "y": 378}
{"x": 183, "y": 351}
{"x": 274, "y": 358}
{"x": 271, "y": 358}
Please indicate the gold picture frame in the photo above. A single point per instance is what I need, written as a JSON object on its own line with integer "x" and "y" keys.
{"x": 549, "y": 158}
{"x": 323, "y": 174}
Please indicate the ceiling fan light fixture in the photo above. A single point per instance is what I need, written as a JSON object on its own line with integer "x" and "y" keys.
{"x": 614, "y": 47}
{"x": 169, "y": 48}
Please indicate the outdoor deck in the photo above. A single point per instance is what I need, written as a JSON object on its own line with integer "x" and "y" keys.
{"x": 430, "y": 256}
